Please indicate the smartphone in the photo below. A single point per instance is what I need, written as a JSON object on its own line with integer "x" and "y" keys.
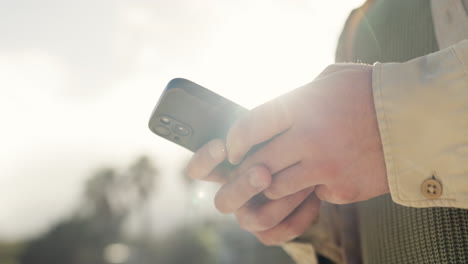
{"x": 190, "y": 115}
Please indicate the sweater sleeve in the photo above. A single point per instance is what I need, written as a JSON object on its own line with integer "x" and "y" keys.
{"x": 422, "y": 112}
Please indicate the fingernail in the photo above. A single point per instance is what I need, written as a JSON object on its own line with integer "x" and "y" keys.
{"x": 255, "y": 180}
{"x": 217, "y": 150}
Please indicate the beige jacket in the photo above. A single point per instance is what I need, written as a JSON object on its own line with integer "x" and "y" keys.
{"x": 422, "y": 111}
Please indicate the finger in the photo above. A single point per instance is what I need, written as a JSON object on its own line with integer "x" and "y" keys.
{"x": 291, "y": 180}
{"x": 278, "y": 154}
{"x": 270, "y": 214}
{"x": 206, "y": 159}
{"x": 259, "y": 125}
{"x": 294, "y": 225}
{"x": 239, "y": 190}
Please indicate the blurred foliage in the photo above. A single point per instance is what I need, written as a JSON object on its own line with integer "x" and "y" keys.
{"x": 110, "y": 197}
{"x": 218, "y": 242}
{"x": 9, "y": 252}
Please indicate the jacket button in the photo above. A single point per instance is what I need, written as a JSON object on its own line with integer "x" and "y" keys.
{"x": 431, "y": 189}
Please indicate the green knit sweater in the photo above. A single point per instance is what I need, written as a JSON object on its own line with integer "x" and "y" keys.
{"x": 397, "y": 31}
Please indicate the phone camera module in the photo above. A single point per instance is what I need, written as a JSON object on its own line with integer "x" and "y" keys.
{"x": 181, "y": 130}
{"x": 165, "y": 120}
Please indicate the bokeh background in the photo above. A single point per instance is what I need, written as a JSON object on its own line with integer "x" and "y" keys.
{"x": 82, "y": 179}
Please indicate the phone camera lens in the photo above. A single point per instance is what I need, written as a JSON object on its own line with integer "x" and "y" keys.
{"x": 163, "y": 131}
{"x": 165, "y": 120}
{"x": 181, "y": 130}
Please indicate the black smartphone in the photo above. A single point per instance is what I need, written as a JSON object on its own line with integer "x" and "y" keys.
{"x": 191, "y": 115}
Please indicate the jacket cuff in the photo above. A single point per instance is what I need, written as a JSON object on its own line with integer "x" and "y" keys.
{"x": 422, "y": 113}
{"x": 301, "y": 253}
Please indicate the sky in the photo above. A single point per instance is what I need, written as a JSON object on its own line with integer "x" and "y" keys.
{"x": 79, "y": 79}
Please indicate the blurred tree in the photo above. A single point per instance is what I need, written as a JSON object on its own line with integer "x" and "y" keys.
{"x": 189, "y": 194}
{"x": 110, "y": 197}
{"x": 94, "y": 234}
{"x": 9, "y": 251}
{"x": 183, "y": 246}
{"x": 217, "y": 241}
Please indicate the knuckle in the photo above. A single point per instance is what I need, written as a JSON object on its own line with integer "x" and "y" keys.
{"x": 255, "y": 180}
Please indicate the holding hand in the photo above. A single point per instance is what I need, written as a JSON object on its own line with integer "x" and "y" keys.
{"x": 323, "y": 142}
{"x": 323, "y": 134}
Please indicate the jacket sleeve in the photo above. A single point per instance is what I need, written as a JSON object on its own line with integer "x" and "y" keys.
{"x": 422, "y": 112}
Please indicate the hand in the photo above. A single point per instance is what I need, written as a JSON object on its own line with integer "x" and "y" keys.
{"x": 322, "y": 135}
{"x": 272, "y": 222}
{"x": 276, "y": 224}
